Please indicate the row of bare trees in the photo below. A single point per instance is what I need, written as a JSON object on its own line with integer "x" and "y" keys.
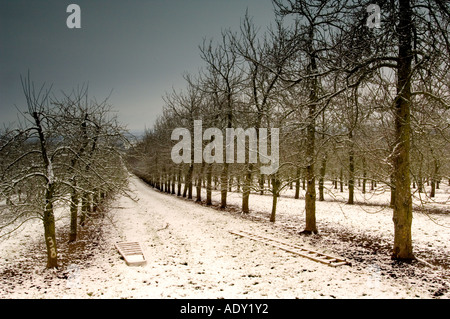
{"x": 64, "y": 153}
{"x": 352, "y": 102}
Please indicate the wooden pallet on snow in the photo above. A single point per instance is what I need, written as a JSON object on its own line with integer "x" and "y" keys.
{"x": 132, "y": 252}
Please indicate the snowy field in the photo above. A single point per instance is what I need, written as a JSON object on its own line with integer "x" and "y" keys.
{"x": 191, "y": 253}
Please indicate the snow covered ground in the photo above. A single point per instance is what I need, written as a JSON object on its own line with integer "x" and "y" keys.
{"x": 191, "y": 253}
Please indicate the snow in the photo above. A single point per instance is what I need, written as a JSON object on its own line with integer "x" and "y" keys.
{"x": 190, "y": 252}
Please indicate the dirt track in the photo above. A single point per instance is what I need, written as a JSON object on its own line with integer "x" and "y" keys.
{"x": 191, "y": 254}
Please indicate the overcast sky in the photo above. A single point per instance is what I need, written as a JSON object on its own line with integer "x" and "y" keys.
{"x": 137, "y": 48}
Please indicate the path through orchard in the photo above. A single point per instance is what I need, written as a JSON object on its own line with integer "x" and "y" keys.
{"x": 191, "y": 254}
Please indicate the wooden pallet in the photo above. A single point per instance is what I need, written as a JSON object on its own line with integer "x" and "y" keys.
{"x": 295, "y": 249}
{"x": 132, "y": 253}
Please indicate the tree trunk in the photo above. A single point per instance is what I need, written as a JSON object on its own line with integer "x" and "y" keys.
{"x": 310, "y": 196}
{"x": 199, "y": 189}
{"x": 188, "y": 182}
{"x": 323, "y": 165}
{"x": 199, "y": 183}
{"x": 351, "y": 170}
{"x": 48, "y": 217}
{"x": 209, "y": 185}
{"x": 364, "y": 176}
{"x": 168, "y": 183}
{"x": 297, "y": 184}
{"x": 224, "y": 186}
{"x": 73, "y": 215}
{"x": 173, "y": 177}
{"x": 275, "y": 190}
{"x": 49, "y": 229}
{"x": 433, "y": 188}
{"x": 179, "y": 182}
{"x": 246, "y": 189}
{"x": 434, "y": 179}
{"x": 261, "y": 184}
{"x": 402, "y": 217}
{"x": 84, "y": 208}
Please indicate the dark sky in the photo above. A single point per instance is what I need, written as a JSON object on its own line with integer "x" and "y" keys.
{"x": 137, "y": 48}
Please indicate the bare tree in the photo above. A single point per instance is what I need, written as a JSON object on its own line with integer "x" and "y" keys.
{"x": 264, "y": 59}
{"x": 225, "y": 78}
{"x": 412, "y": 41}
{"x": 316, "y": 21}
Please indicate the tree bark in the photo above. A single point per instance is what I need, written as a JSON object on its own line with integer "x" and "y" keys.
{"x": 48, "y": 217}
{"x": 73, "y": 215}
{"x": 297, "y": 184}
{"x": 49, "y": 228}
{"x": 179, "y": 182}
{"x": 364, "y": 176}
{"x": 246, "y": 189}
{"x": 402, "y": 217}
{"x": 84, "y": 208}
{"x": 275, "y": 190}
{"x": 173, "y": 177}
{"x": 351, "y": 170}
{"x": 209, "y": 185}
{"x": 433, "y": 188}
{"x": 188, "y": 182}
{"x": 434, "y": 179}
{"x": 323, "y": 165}
{"x": 224, "y": 186}
{"x": 199, "y": 183}
{"x": 310, "y": 196}
{"x": 261, "y": 184}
